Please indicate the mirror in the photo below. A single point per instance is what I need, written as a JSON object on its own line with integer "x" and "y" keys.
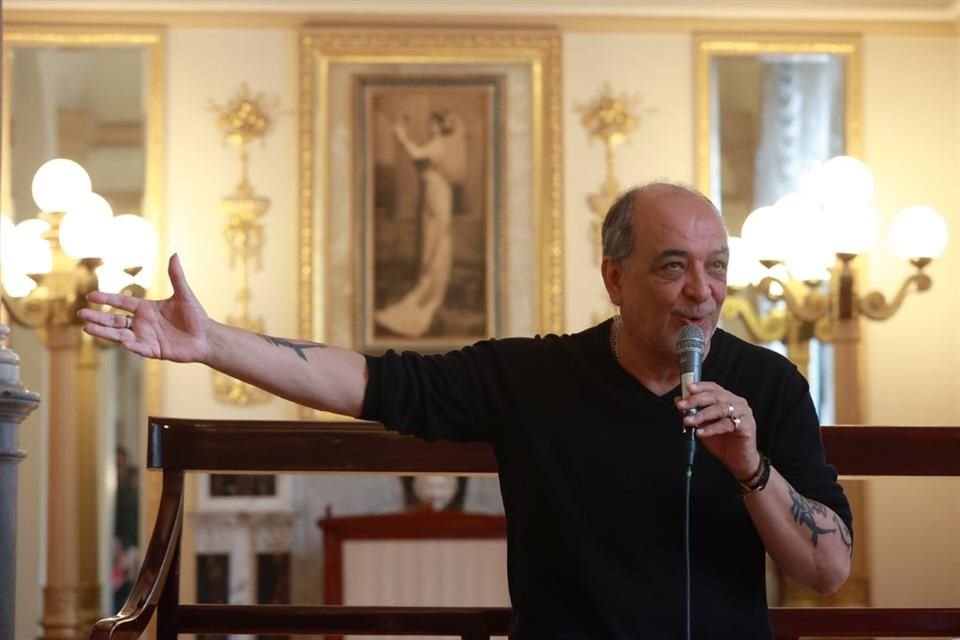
{"x": 94, "y": 97}
{"x": 768, "y": 111}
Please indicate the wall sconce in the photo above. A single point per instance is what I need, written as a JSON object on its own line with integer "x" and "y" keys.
{"x": 49, "y": 264}
{"x": 611, "y": 119}
{"x": 802, "y": 251}
{"x": 243, "y": 120}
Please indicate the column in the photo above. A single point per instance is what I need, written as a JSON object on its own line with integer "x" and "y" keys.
{"x": 16, "y": 403}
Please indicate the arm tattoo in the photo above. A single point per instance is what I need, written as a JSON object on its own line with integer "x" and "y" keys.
{"x": 844, "y": 533}
{"x": 298, "y": 347}
{"x": 803, "y": 512}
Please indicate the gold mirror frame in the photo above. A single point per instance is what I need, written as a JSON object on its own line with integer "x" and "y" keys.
{"x": 153, "y": 43}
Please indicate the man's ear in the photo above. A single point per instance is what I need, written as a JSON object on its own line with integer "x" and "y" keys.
{"x": 612, "y": 271}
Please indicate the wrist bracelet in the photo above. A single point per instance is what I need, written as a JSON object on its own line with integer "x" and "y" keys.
{"x": 757, "y": 482}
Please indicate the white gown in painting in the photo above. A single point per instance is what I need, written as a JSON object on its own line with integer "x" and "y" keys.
{"x": 442, "y": 161}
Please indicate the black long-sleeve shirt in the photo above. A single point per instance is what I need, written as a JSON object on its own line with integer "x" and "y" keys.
{"x": 591, "y": 467}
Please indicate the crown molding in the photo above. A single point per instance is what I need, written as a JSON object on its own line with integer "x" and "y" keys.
{"x": 873, "y": 17}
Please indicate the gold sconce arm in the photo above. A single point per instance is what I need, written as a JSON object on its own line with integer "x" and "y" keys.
{"x": 768, "y": 328}
{"x": 57, "y": 297}
{"x": 811, "y": 307}
{"x": 875, "y": 306}
{"x": 27, "y": 312}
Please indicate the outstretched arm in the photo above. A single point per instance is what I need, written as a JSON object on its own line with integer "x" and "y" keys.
{"x": 178, "y": 329}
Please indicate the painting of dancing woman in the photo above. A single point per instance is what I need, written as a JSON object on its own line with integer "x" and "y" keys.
{"x": 430, "y": 215}
{"x": 441, "y": 163}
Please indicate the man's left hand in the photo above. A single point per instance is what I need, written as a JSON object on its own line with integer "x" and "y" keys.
{"x": 725, "y": 425}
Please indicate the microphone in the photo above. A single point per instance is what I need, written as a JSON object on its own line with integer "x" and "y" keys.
{"x": 690, "y": 348}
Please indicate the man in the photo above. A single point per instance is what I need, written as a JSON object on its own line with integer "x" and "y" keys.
{"x": 587, "y": 433}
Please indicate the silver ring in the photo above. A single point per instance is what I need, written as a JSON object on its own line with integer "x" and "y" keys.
{"x": 736, "y": 422}
{"x": 127, "y": 322}
{"x": 730, "y": 411}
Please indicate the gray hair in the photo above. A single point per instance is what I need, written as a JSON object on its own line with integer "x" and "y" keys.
{"x": 617, "y": 231}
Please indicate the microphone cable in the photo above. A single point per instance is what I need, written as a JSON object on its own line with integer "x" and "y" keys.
{"x": 691, "y": 453}
{"x": 691, "y": 346}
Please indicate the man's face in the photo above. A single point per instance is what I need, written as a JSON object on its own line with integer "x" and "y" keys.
{"x": 676, "y": 275}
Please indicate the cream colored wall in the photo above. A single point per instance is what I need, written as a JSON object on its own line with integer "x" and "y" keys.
{"x": 912, "y": 143}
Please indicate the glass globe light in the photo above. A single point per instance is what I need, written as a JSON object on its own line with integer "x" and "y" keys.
{"x": 14, "y": 280}
{"x": 918, "y": 232}
{"x": 30, "y": 253}
{"x": 58, "y": 183}
{"x": 744, "y": 269}
{"x": 6, "y": 239}
{"x": 808, "y": 256}
{"x": 761, "y": 232}
{"x": 131, "y": 242}
{"x": 111, "y": 279}
{"x": 854, "y": 227}
{"x": 844, "y": 179}
{"x": 83, "y": 229}
{"x": 17, "y": 285}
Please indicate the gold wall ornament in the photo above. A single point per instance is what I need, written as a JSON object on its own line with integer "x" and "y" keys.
{"x": 611, "y": 119}
{"x": 243, "y": 119}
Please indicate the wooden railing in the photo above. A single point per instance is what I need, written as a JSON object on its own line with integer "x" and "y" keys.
{"x": 179, "y": 446}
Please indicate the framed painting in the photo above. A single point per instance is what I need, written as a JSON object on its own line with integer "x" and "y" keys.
{"x": 429, "y": 190}
{"x": 430, "y": 187}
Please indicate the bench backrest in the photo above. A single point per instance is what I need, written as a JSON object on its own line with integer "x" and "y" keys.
{"x": 177, "y": 446}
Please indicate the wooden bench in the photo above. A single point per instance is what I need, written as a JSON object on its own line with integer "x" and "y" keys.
{"x": 178, "y": 446}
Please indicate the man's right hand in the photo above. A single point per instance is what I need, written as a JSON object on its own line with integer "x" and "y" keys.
{"x": 173, "y": 329}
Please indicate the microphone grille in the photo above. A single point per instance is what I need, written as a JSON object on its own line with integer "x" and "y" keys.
{"x": 690, "y": 339}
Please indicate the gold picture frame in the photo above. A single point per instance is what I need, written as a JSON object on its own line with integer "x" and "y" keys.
{"x": 338, "y": 67}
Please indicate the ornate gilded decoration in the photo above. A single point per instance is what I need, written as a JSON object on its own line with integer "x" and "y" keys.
{"x": 611, "y": 119}
{"x": 243, "y": 119}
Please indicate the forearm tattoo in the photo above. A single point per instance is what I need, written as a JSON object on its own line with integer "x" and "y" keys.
{"x": 298, "y": 347}
{"x": 844, "y": 533}
{"x": 803, "y": 512}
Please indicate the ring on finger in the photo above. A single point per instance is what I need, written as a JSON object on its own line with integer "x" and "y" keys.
{"x": 127, "y": 322}
{"x": 736, "y": 422}
{"x": 730, "y": 411}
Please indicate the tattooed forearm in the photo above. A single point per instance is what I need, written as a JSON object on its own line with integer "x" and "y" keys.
{"x": 803, "y": 512}
{"x": 844, "y": 533}
{"x": 298, "y": 347}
